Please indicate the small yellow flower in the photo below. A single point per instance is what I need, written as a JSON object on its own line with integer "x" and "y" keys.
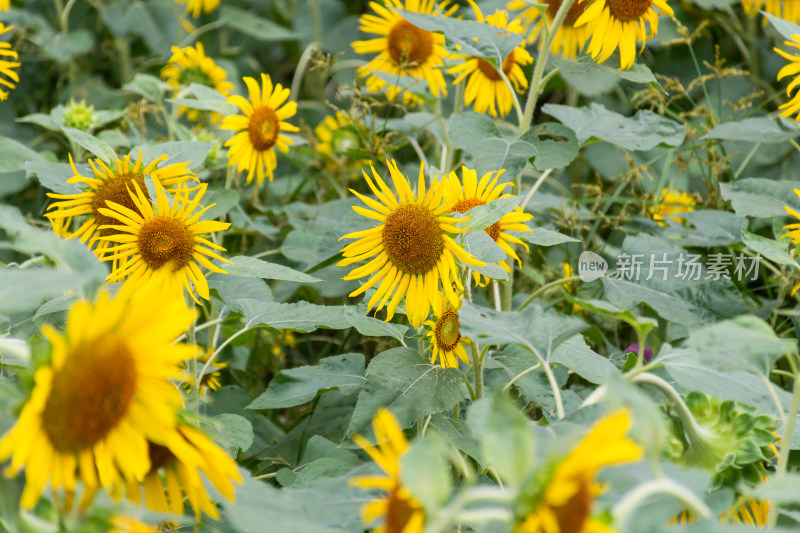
{"x": 5, "y": 5}
{"x": 792, "y": 107}
{"x": 444, "y": 334}
{"x": 621, "y": 24}
{"x": 401, "y": 512}
{"x": 196, "y": 7}
{"x": 259, "y": 128}
{"x": 785, "y": 9}
{"x": 8, "y": 75}
{"x": 569, "y": 40}
{"x": 338, "y": 138}
{"x": 126, "y": 524}
{"x": 403, "y": 49}
{"x": 565, "y": 505}
{"x": 191, "y": 65}
{"x": 671, "y": 203}
{"x": 485, "y": 84}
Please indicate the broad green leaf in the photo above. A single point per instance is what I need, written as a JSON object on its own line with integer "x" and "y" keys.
{"x": 403, "y": 381}
{"x": 545, "y": 237}
{"x": 192, "y": 152}
{"x": 60, "y": 303}
{"x": 761, "y": 197}
{"x": 40, "y": 119}
{"x": 543, "y": 330}
{"x": 770, "y": 248}
{"x": 507, "y": 441}
{"x": 221, "y": 201}
{"x": 576, "y": 355}
{"x": 784, "y": 27}
{"x": 372, "y": 327}
{"x": 638, "y": 73}
{"x": 707, "y": 227}
{"x": 232, "y": 432}
{"x": 233, "y": 289}
{"x": 645, "y": 130}
{"x": 531, "y": 381}
{"x": 755, "y": 129}
{"x": 483, "y": 247}
{"x": 471, "y": 37}
{"x": 425, "y": 472}
{"x": 783, "y": 488}
{"x": 483, "y": 216}
{"x": 14, "y": 156}
{"x": 297, "y": 386}
{"x": 548, "y": 145}
{"x": 250, "y": 267}
{"x": 205, "y": 99}
{"x": 148, "y": 86}
{"x": 64, "y": 48}
{"x": 91, "y": 143}
{"x": 25, "y": 290}
{"x": 257, "y": 27}
{"x": 457, "y": 432}
{"x": 301, "y": 316}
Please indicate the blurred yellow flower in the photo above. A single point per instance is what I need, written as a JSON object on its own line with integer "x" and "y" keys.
{"x": 8, "y": 75}
{"x": 565, "y": 505}
{"x": 671, "y": 203}
{"x": 569, "y": 40}
{"x": 792, "y": 107}
{"x": 191, "y": 65}
{"x": 400, "y": 511}
{"x": 785, "y": 9}
{"x": 196, "y": 7}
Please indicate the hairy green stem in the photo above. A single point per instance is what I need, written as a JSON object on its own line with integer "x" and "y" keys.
{"x": 547, "y": 287}
{"x": 783, "y": 456}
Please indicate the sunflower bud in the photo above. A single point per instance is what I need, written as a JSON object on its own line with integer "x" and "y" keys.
{"x": 727, "y": 438}
{"x": 78, "y": 115}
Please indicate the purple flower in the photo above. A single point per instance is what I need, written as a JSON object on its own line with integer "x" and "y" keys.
{"x": 648, "y": 353}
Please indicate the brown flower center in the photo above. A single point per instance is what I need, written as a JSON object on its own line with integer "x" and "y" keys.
{"x": 409, "y": 45}
{"x": 448, "y": 331}
{"x": 626, "y": 10}
{"x": 575, "y": 11}
{"x": 463, "y": 206}
{"x": 160, "y": 456}
{"x": 491, "y": 73}
{"x": 264, "y": 128}
{"x": 89, "y": 395}
{"x": 116, "y": 190}
{"x": 573, "y": 514}
{"x": 399, "y": 510}
{"x": 165, "y": 239}
{"x": 413, "y": 239}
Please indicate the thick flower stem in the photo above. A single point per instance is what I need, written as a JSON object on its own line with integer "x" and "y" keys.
{"x": 691, "y": 429}
{"x": 477, "y": 365}
{"x": 538, "y": 70}
{"x": 635, "y": 498}
{"x": 195, "y": 379}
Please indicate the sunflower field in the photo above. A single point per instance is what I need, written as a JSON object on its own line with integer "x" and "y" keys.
{"x": 402, "y": 266}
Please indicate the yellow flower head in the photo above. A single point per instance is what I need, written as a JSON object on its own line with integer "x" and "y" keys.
{"x": 259, "y": 128}
{"x": 159, "y": 235}
{"x": 126, "y": 524}
{"x": 566, "y": 504}
{"x": 485, "y": 84}
{"x": 104, "y": 395}
{"x": 5, "y": 5}
{"x": 191, "y": 65}
{"x": 473, "y": 193}
{"x": 409, "y": 251}
{"x": 338, "y": 137}
{"x": 210, "y": 380}
{"x": 785, "y": 9}
{"x": 401, "y": 512}
{"x": 671, "y": 203}
{"x": 196, "y": 7}
{"x": 792, "y": 107}
{"x": 175, "y": 467}
{"x": 444, "y": 334}
{"x": 621, "y": 23}
{"x": 569, "y": 40}
{"x": 8, "y": 75}
{"x": 108, "y": 184}
{"x": 403, "y": 49}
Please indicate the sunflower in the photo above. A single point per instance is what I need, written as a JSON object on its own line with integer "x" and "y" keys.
{"x": 621, "y": 23}
{"x": 196, "y": 7}
{"x": 671, "y": 203}
{"x": 486, "y": 86}
{"x": 474, "y": 193}
{"x": 108, "y": 184}
{"x": 191, "y": 65}
{"x": 569, "y": 40}
{"x": 156, "y": 235}
{"x": 210, "y": 379}
{"x": 785, "y": 9}
{"x": 410, "y": 249}
{"x": 104, "y": 395}
{"x": 401, "y": 512}
{"x": 5, "y": 5}
{"x": 258, "y": 129}
{"x": 444, "y": 334}
{"x": 792, "y": 107}
{"x": 175, "y": 467}
{"x": 8, "y": 77}
{"x": 751, "y": 512}
{"x": 565, "y": 505}
{"x": 338, "y": 138}
{"x": 403, "y": 49}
